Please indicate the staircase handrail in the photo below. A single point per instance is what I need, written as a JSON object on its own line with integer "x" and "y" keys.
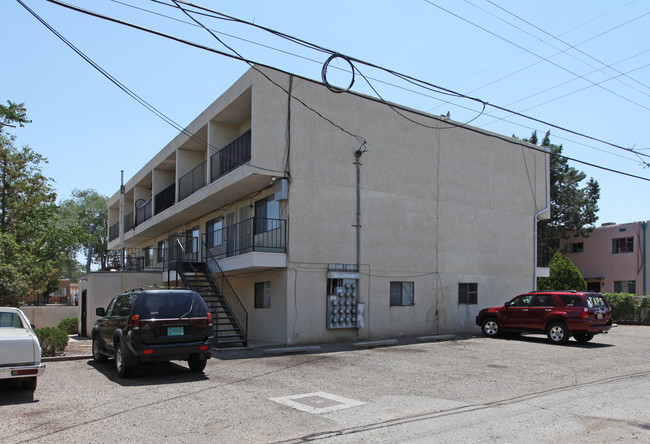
{"x": 230, "y": 295}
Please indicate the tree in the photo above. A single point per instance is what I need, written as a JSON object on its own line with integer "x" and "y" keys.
{"x": 574, "y": 203}
{"x": 563, "y": 276}
{"x": 85, "y": 215}
{"x": 29, "y": 242}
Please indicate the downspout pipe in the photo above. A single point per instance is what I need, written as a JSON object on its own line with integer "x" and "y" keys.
{"x": 644, "y": 225}
{"x": 540, "y": 212}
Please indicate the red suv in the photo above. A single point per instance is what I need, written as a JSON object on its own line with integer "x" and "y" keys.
{"x": 559, "y": 314}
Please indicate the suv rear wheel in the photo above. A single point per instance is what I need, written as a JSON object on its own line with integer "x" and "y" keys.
{"x": 490, "y": 328}
{"x": 196, "y": 364}
{"x": 583, "y": 337}
{"x": 557, "y": 333}
{"x": 123, "y": 371}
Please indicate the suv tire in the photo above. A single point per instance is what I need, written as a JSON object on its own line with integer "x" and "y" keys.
{"x": 123, "y": 371}
{"x": 196, "y": 364}
{"x": 583, "y": 337}
{"x": 490, "y": 328}
{"x": 557, "y": 333}
{"x": 97, "y": 356}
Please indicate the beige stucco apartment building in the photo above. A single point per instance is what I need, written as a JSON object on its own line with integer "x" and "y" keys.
{"x": 611, "y": 258}
{"x": 268, "y": 186}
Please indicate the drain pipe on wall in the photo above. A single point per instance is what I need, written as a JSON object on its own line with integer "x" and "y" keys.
{"x": 542, "y": 211}
{"x": 644, "y": 225}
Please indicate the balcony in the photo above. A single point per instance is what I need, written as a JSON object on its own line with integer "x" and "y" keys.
{"x": 192, "y": 181}
{"x": 143, "y": 212}
{"x": 165, "y": 198}
{"x": 251, "y": 235}
{"x": 231, "y": 156}
{"x": 114, "y": 231}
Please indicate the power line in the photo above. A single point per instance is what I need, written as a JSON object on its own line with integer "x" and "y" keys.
{"x": 403, "y": 76}
{"x": 546, "y": 59}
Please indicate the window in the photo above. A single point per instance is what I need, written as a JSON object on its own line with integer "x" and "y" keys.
{"x": 625, "y": 287}
{"x": 467, "y": 293}
{"x": 401, "y": 293}
{"x": 214, "y": 230}
{"x": 525, "y": 300}
{"x": 623, "y": 245}
{"x": 263, "y": 294}
{"x": 267, "y": 214}
{"x": 570, "y": 301}
{"x": 577, "y": 247}
{"x": 162, "y": 245}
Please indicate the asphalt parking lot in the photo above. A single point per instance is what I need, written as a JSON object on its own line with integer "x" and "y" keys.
{"x": 467, "y": 390}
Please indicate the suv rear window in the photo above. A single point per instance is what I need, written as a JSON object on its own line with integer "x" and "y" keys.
{"x": 595, "y": 300}
{"x": 570, "y": 301}
{"x": 170, "y": 305}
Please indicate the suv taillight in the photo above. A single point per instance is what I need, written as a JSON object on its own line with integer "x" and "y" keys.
{"x": 585, "y": 313}
{"x": 209, "y": 319}
{"x": 135, "y": 322}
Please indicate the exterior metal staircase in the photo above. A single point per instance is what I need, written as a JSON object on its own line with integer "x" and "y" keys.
{"x": 229, "y": 318}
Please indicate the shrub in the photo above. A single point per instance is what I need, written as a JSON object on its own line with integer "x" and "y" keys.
{"x": 69, "y": 326}
{"x": 627, "y": 307}
{"x": 53, "y": 340}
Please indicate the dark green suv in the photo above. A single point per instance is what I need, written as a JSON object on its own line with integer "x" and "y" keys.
{"x": 154, "y": 325}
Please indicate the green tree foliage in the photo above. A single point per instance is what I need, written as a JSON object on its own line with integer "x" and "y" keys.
{"x": 29, "y": 241}
{"x": 84, "y": 213}
{"x": 563, "y": 276}
{"x": 574, "y": 202}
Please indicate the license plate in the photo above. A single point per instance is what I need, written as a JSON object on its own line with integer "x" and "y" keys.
{"x": 175, "y": 331}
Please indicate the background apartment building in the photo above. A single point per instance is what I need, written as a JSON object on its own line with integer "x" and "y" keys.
{"x": 611, "y": 258}
{"x": 263, "y": 189}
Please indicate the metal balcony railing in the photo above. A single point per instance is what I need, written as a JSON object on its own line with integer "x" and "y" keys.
{"x": 233, "y": 155}
{"x": 255, "y": 234}
{"x": 114, "y": 231}
{"x": 192, "y": 181}
{"x": 165, "y": 198}
{"x": 143, "y": 212}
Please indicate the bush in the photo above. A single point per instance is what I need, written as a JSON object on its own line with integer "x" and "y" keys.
{"x": 69, "y": 326}
{"x": 53, "y": 340}
{"x": 628, "y": 307}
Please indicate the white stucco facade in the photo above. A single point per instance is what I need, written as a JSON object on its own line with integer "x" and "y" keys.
{"x": 441, "y": 205}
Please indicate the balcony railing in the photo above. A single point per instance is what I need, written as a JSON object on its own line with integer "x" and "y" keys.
{"x": 165, "y": 198}
{"x": 114, "y": 231}
{"x": 255, "y": 234}
{"x": 231, "y": 156}
{"x": 192, "y": 181}
{"x": 143, "y": 212}
{"x": 128, "y": 222}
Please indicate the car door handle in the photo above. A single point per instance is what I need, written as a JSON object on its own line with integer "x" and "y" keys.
{"x": 525, "y": 309}
{"x": 548, "y": 309}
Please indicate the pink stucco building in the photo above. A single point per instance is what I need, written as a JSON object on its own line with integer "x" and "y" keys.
{"x": 611, "y": 258}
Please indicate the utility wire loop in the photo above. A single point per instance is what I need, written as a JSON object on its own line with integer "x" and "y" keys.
{"x": 336, "y": 89}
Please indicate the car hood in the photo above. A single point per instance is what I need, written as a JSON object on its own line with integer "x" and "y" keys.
{"x": 18, "y": 346}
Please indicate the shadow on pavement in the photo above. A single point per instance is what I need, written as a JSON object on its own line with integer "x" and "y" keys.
{"x": 150, "y": 373}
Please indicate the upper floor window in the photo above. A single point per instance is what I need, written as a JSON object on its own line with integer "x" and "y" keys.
{"x": 467, "y": 293}
{"x": 577, "y": 247}
{"x": 267, "y": 214}
{"x": 623, "y": 245}
{"x": 214, "y": 231}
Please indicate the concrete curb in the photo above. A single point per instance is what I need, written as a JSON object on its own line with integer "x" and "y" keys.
{"x": 65, "y": 358}
{"x": 292, "y": 350}
{"x": 436, "y": 338}
{"x": 373, "y": 344}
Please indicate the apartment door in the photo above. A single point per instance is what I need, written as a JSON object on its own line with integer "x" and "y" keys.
{"x": 231, "y": 234}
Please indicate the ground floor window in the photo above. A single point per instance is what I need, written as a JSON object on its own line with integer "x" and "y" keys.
{"x": 467, "y": 293}
{"x": 402, "y": 293}
{"x": 625, "y": 287}
{"x": 263, "y": 294}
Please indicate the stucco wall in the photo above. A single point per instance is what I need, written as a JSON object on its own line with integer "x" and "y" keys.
{"x": 50, "y": 315}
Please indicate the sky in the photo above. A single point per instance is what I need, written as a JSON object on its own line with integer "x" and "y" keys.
{"x": 581, "y": 66}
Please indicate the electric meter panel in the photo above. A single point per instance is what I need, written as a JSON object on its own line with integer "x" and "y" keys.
{"x": 342, "y": 310}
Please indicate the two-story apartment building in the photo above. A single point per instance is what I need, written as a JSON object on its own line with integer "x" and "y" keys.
{"x": 611, "y": 258}
{"x": 313, "y": 236}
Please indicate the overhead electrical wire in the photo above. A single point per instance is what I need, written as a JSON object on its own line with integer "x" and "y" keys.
{"x": 366, "y": 77}
{"x": 417, "y": 82}
{"x": 546, "y": 59}
{"x": 402, "y": 76}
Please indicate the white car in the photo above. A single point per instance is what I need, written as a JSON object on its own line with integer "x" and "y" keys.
{"x": 20, "y": 351}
